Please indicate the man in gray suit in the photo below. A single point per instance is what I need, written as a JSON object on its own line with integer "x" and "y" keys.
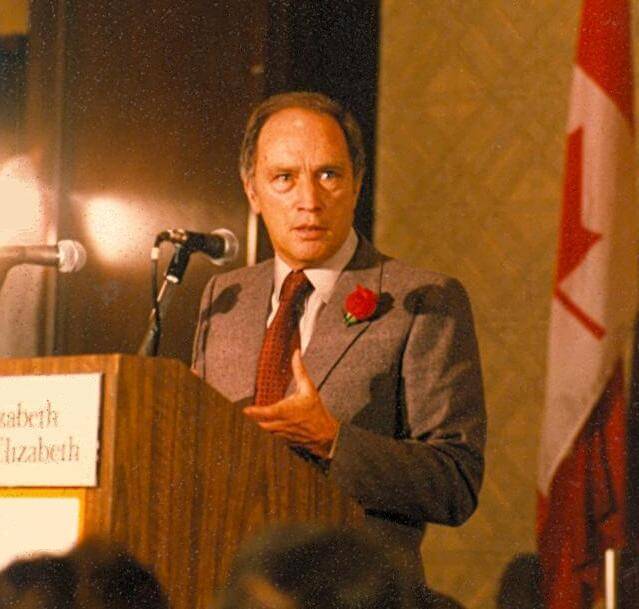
{"x": 391, "y": 406}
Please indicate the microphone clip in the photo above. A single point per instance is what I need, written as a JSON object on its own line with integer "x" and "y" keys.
{"x": 177, "y": 266}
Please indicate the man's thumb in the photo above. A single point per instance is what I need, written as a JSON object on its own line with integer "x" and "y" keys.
{"x": 303, "y": 381}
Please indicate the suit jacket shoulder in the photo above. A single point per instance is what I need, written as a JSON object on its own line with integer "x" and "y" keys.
{"x": 230, "y": 330}
{"x": 240, "y": 275}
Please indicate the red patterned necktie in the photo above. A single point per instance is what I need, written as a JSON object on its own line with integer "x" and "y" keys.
{"x": 280, "y": 341}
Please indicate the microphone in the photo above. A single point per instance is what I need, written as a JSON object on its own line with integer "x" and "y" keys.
{"x": 69, "y": 256}
{"x": 221, "y": 245}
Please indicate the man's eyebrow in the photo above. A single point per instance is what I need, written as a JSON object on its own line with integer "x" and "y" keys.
{"x": 324, "y": 166}
{"x": 282, "y": 167}
{"x": 294, "y": 167}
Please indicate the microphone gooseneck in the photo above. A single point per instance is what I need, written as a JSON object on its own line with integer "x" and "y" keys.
{"x": 69, "y": 256}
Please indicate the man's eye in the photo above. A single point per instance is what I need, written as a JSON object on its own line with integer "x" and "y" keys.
{"x": 283, "y": 178}
{"x": 328, "y": 174}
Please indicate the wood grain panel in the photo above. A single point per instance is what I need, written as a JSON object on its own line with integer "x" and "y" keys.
{"x": 184, "y": 477}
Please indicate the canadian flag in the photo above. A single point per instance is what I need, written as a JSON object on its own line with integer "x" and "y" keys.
{"x": 582, "y": 460}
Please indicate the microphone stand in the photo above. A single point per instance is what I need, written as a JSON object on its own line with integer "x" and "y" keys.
{"x": 173, "y": 276}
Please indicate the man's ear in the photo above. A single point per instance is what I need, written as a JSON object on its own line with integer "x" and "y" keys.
{"x": 251, "y": 195}
{"x": 358, "y": 185}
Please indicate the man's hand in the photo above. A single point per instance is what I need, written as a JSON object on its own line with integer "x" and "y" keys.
{"x": 301, "y": 418}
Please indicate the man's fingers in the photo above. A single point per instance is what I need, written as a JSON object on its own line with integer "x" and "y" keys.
{"x": 278, "y": 427}
{"x": 262, "y": 413}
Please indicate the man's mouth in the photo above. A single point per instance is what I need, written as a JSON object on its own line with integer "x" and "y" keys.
{"x": 310, "y": 231}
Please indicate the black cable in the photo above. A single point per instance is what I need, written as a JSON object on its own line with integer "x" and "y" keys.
{"x": 157, "y": 328}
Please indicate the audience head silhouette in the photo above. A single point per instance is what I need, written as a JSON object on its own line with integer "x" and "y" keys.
{"x": 92, "y": 576}
{"x": 302, "y": 568}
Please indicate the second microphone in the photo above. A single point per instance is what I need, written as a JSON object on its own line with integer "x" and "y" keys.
{"x": 221, "y": 245}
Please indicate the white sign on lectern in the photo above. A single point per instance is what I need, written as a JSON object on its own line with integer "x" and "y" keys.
{"x": 49, "y": 430}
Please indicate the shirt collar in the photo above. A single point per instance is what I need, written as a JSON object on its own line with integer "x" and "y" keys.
{"x": 324, "y": 276}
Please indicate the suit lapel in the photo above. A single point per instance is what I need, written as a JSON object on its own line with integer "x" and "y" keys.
{"x": 331, "y": 336}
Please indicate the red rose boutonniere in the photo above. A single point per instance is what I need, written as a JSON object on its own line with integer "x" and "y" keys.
{"x": 359, "y": 305}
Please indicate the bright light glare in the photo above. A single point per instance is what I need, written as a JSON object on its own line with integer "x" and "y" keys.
{"x": 21, "y": 205}
{"x": 120, "y": 230}
{"x": 37, "y": 524}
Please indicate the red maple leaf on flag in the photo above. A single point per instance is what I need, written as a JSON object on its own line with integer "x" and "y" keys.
{"x": 575, "y": 239}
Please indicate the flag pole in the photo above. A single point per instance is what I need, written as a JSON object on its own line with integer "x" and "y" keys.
{"x": 611, "y": 558}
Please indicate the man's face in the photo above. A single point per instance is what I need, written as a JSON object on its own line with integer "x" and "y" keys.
{"x": 303, "y": 185}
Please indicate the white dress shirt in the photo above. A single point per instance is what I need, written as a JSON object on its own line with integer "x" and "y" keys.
{"x": 323, "y": 278}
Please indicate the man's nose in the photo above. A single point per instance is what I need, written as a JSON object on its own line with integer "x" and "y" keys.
{"x": 310, "y": 196}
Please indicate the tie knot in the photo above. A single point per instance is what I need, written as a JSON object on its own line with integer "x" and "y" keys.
{"x": 294, "y": 287}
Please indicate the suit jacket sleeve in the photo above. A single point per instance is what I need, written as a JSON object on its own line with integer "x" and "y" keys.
{"x": 434, "y": 472}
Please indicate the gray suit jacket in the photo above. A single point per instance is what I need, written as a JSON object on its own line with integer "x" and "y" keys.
{"x": 406, "y": 386}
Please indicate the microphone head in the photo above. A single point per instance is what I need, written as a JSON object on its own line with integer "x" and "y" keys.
{"x": 71, "y": 256}
{"x": 231, "y": 247}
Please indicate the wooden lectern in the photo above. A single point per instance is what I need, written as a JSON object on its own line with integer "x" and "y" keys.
{"x": 183, "y": 476}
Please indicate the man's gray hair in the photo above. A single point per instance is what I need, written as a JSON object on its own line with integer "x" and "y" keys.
{"x": 315, "y": 102}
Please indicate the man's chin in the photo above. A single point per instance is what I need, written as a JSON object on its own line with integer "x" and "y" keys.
{"x": 312, "y": 252}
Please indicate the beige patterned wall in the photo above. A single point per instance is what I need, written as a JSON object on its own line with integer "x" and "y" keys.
{"x": 472, "y": 112}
